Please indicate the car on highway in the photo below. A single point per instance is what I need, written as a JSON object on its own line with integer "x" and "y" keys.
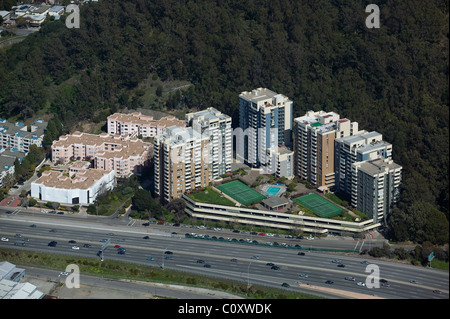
{"x": 75, "y": 248}
{"x": 87, "y": 245}
{"x": 4, "y": 239}
{"x": 117, "y": 246}
{"x": 64, "y": 273}
{"x": 150, "y": 258}
{"x": 329, "y": 282}
{"x": 414, "y": 281}
{"x": 168, "y": 252}
{"x": 121, "y": 252}
{"x": 207, "y": 265}
{"x": 360, "y": 283}
{"x": 160, "y": 223}
{"x": 303, "y": 275}
{"x": 52, "y": 243}
{"x": 341, "y": 265}
{"x": 52, "y": 230}
{"x": 274, "y": 267}
{"x": 233, "y": 260}
{"x": 364, "y": 262}
{"x": 72, "y": 242}
{"x": 33, "y": 226}
{"x": 270, "y": 264}
{"x": 349, "y": 278}
{"x": 254, "y": 257}
{"x": 145, "y": 237}
{"x": 336, "y": 261}
{"x": 437, "y": 291}
{"x": 200, "y": 261}
{"x": 18, "y": 235}
{"x": 301, "y": 253}
{"x": 285, "y": 285}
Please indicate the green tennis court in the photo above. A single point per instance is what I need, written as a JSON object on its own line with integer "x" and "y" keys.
{"x": 319, "y": 205}
{"x": 241, "y": 192}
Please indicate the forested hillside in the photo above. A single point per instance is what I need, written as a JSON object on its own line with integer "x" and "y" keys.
{"x": 319, "y": 53}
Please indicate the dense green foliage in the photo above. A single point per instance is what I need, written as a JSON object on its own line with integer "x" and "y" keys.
{"x": 318, "y": 53}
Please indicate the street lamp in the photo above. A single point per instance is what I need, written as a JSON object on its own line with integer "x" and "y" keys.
{"x": 162, "y": 258}
{"x": 248, "y": 275}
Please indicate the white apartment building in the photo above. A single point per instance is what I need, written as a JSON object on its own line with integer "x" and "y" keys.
{"x": 217, "y": 128}
{"x": 19, "y": 137}
{"x": 314, "y": 138}
{"x": 265, "y": 118}
{"x": 375, "y": 187}
{"x": 123, "y": 154}
{"x": 181, "y": 159}
{"x": 82, "y": 186}
{"x": 135, "y": 124}
{"x": 363, "y": 146}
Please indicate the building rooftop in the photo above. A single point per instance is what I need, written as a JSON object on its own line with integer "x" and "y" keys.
{"x": 83, "y": 179}
{"x": 37, "y": 129}
{"x": 118, "y": 146}
{"x": 275, "y": 201}
{"x": 140, "y": 119}
{"x": 13, "y": 290}
{"x": 377, "y": 166}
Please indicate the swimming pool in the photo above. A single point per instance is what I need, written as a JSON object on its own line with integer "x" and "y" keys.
{"x": 271, "y": 191}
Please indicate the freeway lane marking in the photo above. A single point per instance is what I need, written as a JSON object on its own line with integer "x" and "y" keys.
{"x": 326, "y": 270}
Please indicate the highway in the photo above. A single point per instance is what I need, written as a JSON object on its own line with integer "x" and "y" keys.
{"x": 230, "y": 260}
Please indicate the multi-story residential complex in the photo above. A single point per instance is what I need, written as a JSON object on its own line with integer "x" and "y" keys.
{"x": 217, "y": 128}
{"x": 265, "y": 118}
{"x": 19, "y": 137}
{"x": 280, "y": 162}
{"x": 314, "y": 139}
{"x": 7, "y": 159}
{"x": 375, "y": 187}
{"x": 181, "y": 159}
{"x": 362, "y": 146}
{"x": 124, "y": 154}
{"x": 136, "y": 124}
{"x": 79, "y": 186}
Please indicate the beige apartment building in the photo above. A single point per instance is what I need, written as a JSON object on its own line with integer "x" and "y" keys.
{"x": 314, "y": 136}
{"x": 136, "y": 124}
{"x": 123, "y": 154}
{"x": 181, "y": 158}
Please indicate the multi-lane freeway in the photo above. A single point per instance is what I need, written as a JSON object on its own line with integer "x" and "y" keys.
{"x": 324, "y": 274}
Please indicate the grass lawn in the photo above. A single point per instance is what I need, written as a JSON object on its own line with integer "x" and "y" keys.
{"x": 210, "y": 196}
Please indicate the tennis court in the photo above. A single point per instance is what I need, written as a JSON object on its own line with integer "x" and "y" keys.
{"x": 241, "y": 192}
{"x": 319, "y": 205}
